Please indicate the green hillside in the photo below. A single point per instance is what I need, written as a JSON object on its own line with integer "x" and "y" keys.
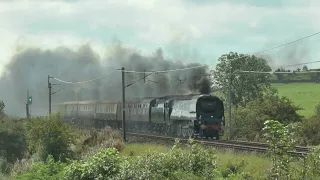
{"x": 306, "y": 95}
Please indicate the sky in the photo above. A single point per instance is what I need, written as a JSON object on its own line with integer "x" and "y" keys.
{"x": 198, "y": 31}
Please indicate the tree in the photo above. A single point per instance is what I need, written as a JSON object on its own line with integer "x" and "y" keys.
{"x": 304, "y": 68}
{"x": 245, "y": 86}
{"x": 280, "y": 76}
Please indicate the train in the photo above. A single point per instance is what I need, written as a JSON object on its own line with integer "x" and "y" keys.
{"x": 194, "y": 115}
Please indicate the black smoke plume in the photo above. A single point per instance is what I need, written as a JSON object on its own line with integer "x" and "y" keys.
{"x": 30, "y": 68}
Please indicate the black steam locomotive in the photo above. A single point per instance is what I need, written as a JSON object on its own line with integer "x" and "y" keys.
{"x": 177, "y": 115}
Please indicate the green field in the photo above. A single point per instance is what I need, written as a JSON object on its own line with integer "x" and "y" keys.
{"x": 306, "y": 95}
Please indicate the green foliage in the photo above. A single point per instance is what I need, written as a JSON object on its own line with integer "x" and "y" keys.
{"x": 281, "y": 140}
{"x": 249, "y": 120}
{"x": 310, "y": 131}
{"x": 235, "y": 170}
{"x": 5, "y": 166}
{"x": 305, "y": 68}
{"x": 2, "y": 106}
{"x": 50, "y": 136}
{"x": 275, "y": 107}
{"x": 245, "y": 87}
{"x": 49, "y": 170}
{"x": 311, "y": 165}
{"x": 192, "y": 159}
{"x": 310, "y": 128}
{"x": 317, "y": 110}
{"x": 104, "y": 164}
{"x": 13, "y": 143}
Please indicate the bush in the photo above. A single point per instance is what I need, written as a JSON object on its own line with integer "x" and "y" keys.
{"x": 192, "y": 160}
{"x": 13, "y": 143}
{"x": 281, "y": 140}
{"x": 248, "y": 121}
{"x": 50, "y": 136}
{"x": 311, "y": 165}
{"x": 310, "y": 128}
{"x": 105, "y": 163}
{"x": 2, "y": 106}
{"x": 49, "y": 170}
{"x": 317, "y": 110}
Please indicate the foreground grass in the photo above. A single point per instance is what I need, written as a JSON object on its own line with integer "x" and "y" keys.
{"x": 306, "y": 95}
{"x": 255, "y": 164}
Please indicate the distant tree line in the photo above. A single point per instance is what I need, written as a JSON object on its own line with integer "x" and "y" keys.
{"x": 295, "y": 77}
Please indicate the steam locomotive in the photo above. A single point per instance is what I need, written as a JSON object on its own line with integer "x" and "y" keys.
{"x": 177, "y": 115}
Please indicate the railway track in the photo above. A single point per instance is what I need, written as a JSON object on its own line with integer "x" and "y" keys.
{"x": 237, "y": 145}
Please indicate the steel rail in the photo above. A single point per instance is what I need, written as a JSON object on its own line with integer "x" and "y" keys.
{"x": 239, "y": 145}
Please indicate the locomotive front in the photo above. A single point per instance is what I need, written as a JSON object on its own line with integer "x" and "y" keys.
{"x": 210, "y": 116}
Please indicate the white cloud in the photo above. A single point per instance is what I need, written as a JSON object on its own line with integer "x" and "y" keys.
{"x": 154, "y": 21}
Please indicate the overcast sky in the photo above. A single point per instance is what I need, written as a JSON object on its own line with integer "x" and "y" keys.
{"x": 207, "y": 28}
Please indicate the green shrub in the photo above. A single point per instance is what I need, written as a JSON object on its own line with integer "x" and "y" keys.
{"x": 317, "y": 110}
{"x": 310, "y": 128}
{"x": 106, "y": 163}
{"x": 13, "y": 143}
{"x": 193, "y": 160}
{"x": 281, "y": 140}
{"x": 311, "y": 165}
{"x": 2, "y": 106}
{"x": 50, "y": 136}
{"x": 248, "y": 121}
{"x": 233, "y": 168}
{"x": 48, "y": 170}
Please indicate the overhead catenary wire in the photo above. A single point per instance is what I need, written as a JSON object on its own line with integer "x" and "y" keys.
{"x": 247, "y": 55}
{"x": 81, "y": 82}
{"x": 165, "y": 71}
{"x": 272, "y": 72}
